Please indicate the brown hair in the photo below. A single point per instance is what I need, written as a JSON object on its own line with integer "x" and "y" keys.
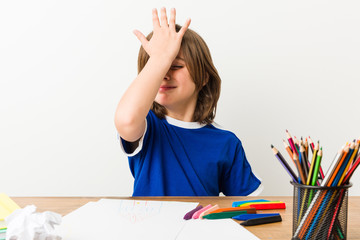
{"x": 203, "y": 72}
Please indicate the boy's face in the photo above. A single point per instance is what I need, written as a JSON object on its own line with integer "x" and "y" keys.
{"x": 177, "y": 92}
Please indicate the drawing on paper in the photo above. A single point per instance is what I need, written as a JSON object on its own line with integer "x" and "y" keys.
{"x": 137, "y": 211}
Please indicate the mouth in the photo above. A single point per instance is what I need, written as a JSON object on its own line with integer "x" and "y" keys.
{"x": 166, "y": 88}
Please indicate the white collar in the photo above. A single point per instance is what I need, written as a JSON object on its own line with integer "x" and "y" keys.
{"x": 182, "y": 124}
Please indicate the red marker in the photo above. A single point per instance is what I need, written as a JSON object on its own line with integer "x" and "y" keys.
{"x": 264, "y": 206}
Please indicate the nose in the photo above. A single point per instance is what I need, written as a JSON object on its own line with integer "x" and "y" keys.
{"x": 167, "y": 76}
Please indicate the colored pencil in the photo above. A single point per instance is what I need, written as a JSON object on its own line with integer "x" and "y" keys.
{"x": 284, "y": 163}
{"x": 349, "y": 163}
{"x": 346, "y": 151}
{"x": 336, "y": 213}
{"x": 306, "y": 145}
{"x": 356, "y": 151}
{"x": 326, "y": 204}
{"x": 332, "y": 167}
{"x": 315, "y": 208}
{"x": 295, "y": 160}
{"x": 315, "y": 173}
{"x": 291, "y": 142}
{"x": 297, "y": 144}
{"x": 288, "y": 149}
{"x": 311, "y": 143}
{"x": 317, "y": 167}
{"x": 300, "y": 169}
{"x": 304, "y": 160}
{"x": 352, "y": 170}
{"x": 309, "y": 177}
{"x": 343, "y": 166}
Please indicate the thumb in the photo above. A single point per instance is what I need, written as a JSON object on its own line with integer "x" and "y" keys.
{"x": 141, "y": 37}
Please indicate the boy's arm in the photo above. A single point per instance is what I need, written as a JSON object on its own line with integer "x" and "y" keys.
{"x": 162, "y": 48}
{"x": 135, "y": 103}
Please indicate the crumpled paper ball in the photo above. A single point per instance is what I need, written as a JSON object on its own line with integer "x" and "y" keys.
{"x": 26, "y": 224}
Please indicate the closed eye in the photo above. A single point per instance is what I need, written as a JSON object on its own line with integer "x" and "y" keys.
{"x": 174, "y": 67}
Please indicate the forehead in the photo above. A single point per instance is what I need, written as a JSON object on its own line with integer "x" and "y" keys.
{"x": 180, "y": 56}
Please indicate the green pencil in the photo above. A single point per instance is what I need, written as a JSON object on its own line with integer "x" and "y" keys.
{"x": 317, "y": 167}
{"x": 315, "y": 174}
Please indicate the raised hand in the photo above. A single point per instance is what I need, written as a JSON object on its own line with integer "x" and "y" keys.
{"x": 165, "y": 42}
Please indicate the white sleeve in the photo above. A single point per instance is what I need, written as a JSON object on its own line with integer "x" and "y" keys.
{"x": 139, "y": 147}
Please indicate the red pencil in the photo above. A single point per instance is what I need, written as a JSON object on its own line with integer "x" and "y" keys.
{"x": 291, "y": 142}
{"x": 312, "y": 146}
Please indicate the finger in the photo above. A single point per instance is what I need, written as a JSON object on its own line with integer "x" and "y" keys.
{"x": 172, "y": 18}
{"x": 164, "y": 20}
{"x": 141, "y": 37}
{"x": 185, "y": 27}
{"x": 155, "y": 18}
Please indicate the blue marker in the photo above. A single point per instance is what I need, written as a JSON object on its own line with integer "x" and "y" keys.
{"x": 249, "y": 216}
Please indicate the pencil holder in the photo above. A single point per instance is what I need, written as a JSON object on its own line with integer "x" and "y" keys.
{"x": 320, "y": 212}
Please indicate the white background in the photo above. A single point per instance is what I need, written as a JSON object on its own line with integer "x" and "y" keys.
{"x": 65, "y": 64}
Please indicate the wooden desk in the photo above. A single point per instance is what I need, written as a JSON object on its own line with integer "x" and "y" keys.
{"x": 273, "y": 231}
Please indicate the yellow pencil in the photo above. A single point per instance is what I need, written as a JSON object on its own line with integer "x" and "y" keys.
{"x": 312, "y": 166}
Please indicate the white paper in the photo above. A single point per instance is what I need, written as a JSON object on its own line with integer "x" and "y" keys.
{"x": 115, "y": 219}
{"x": 126, "y": 219}
{"x": 215, "y": 230}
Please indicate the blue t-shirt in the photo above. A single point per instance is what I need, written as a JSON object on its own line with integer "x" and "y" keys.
{"x": 176, "y": 158}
